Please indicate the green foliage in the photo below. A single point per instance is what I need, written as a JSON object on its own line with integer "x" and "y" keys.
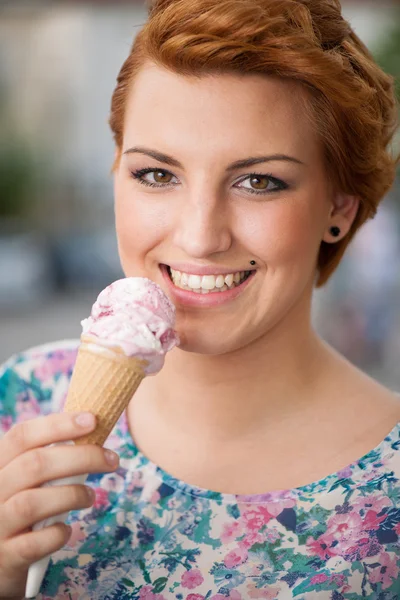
{"x": 18, "y": 164}
{"x": 387, "y": 56}
{"x": 159, "y": 585}
{"x": 17, "y": 180}
{"x": 388, "y": 52}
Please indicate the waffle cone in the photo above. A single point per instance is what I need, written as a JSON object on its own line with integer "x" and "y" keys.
{"x": 103, "y": 383}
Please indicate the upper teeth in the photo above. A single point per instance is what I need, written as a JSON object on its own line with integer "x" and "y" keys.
{"x": 207, "y": 283}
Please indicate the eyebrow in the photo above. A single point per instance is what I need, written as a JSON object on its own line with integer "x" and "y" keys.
{"x": 239, "y": 164}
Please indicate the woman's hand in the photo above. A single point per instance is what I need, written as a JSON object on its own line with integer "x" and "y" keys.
{"x": 25, "y": 464}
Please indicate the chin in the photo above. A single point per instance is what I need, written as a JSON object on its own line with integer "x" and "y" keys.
{"x": 210, "y": 341}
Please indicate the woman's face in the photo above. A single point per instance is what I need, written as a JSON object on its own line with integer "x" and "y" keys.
{"x": 183, "y": 204}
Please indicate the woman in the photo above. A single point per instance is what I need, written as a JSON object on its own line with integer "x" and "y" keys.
{"x": 251, "y": 145}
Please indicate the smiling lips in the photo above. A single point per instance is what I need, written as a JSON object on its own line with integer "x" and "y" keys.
{"x": 207, "y": 284}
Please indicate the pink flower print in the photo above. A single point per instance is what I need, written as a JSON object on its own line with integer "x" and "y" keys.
{"x": 28, "y": 410}
{"x": 268, "y": 594}
{"x": 397, "y": 528}
{"x": 101, "y": 498}
{"x": 77, "y": 535}
{"x": 386, "y": 573}
{"x": 347, "y": 533}
{"x": 375, "y": 503}
{"x": 231, "y": 531}
{"x": 172, "y": 503}
{"x": 253, "y": 537}
{"x": 372, "y": 521}
{"x": 58, "y": 362}
{"x": 255, "y": 518}
{"x": 272, "y": 534}
{"x": 319, "y": 578}
{"x": 234, "y": 595}
{"x": 276, "y": 508}
{"x": 345, "y": 527}
{"x": 67, "y": 590}
{"x": 321, "y": 546}
{"x": 339, "y": 579}
{"x": 146, "y": 593}
{"x": 192, "y": 579}
{"x": 218, "y": 597}
{"x": 360, "y": 548}
{"x": 113, "y": 482}
{"x": 6, "y": 423}
{"x": 346, "y": 589}
{"x": 113, "y": 439}
{"x": 123, "y": 423}
{"x": 255, "y": 570}
{"x": 374, "y": 473}
{"x": 155, "y": 497}
{"x": 236, "y": 557}
{"x": 136, "y": 482}
{"x": 345, "y": 473}
{"x": 194, "y": 597}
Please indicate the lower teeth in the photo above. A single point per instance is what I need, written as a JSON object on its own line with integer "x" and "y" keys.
{"x": 224, "y": 288}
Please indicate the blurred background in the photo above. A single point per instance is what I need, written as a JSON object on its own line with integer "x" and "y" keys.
{"x": 58, "y": 65}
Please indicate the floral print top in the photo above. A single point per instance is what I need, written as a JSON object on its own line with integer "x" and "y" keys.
{"x": 150, "y": 536}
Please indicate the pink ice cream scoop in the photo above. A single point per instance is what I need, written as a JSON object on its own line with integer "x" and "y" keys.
{"x": 135, "y": 315}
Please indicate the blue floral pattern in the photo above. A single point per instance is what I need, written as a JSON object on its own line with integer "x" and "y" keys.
{"x": 149, "y": 536}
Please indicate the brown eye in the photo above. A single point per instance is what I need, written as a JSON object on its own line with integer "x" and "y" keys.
{"x": 162, "y": 177}
{"x": 260, "y": 183}
{"x": 155, "y": 178}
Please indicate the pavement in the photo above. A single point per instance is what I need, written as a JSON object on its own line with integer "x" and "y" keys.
{"x": 57, "y": 318}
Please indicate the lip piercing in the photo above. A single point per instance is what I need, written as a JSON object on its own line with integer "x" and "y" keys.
{"x": 252, "y": 262}
{"x": 335, "y": 231}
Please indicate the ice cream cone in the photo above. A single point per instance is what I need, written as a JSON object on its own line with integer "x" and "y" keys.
{"x": 103, "y": 383}
{"x": 126, "y": 338}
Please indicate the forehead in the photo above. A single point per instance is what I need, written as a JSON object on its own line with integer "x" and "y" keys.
{"x": 222, "y": 110}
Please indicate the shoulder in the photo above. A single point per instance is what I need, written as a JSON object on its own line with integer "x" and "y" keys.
{"x": 34, "y": 382}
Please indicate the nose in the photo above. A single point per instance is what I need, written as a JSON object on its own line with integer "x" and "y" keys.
{"x": 202, "y": 226}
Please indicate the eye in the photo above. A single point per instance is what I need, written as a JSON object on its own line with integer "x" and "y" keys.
{"x": 262, "y": 184}
{"x": 161, "y": 177}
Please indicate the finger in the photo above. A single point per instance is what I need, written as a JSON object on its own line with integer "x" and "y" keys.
{"x": 31, "y": 506}
{"x": 21, "y": 551}
{"x": 41, "y": 431}
{"x": 33, "y": 468}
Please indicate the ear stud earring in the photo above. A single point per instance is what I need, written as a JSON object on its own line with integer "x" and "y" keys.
{"x": 335, "y": 231}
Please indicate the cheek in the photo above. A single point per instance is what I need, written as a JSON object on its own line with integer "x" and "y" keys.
{"x": 141, "y": 223}
{"x": 283, "y": 232}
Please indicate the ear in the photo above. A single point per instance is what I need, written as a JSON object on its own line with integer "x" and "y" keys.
{"x": 343, "y": 212}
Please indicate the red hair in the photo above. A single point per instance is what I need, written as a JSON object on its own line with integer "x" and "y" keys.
{"x": 351, "y": 100}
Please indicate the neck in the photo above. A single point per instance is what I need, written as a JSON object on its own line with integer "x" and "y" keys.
{"x": 229, "y": 396}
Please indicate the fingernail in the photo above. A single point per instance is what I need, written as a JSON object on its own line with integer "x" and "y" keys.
{"x": 111, "y": 457}
{"x": 85, "y": 419}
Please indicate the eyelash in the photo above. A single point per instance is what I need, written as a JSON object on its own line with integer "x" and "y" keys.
{"x": 281, "y": 185}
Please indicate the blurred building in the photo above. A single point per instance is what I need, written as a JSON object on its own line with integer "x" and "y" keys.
{"x": 58, "y": 66}
{"x": 60, "y": 61}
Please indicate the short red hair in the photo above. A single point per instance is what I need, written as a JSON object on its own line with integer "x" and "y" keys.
{"x": 352, "y": 101}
